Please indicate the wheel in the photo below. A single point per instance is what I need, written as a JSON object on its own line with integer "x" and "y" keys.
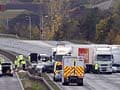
{"x": 80, "y": 82}
{"x": 65, "y": 82}
{"x": 109, "y": 73}
{"x": 54, "y": 79}
{"x": 11, "y": 75}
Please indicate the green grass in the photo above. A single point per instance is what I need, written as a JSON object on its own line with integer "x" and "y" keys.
{"x": 53, "y": 85}
{"x": 30, "y": 84}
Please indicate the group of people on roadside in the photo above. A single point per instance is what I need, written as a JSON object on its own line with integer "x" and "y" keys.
{"x": 20, "y": 62}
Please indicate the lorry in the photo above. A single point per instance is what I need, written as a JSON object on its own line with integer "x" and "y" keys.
{"x": 6, "y": 69}
{"x": 116, "y": 56}
{"x": 99, "y": 56}
{"x": 58, "y": 52}
{"x": 72, "y": 70}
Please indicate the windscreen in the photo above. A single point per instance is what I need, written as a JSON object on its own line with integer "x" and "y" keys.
{"x": 59, "y": 67}
{"x": 58, "y": 57}
{"x": 43, "y": 58}
{"x": 104, "y": 57}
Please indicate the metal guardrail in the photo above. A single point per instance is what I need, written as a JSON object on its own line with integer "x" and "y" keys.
{"x": 41, "y": 79}
{"x": 9, "y": 36}
{"x": 12, "y": 57}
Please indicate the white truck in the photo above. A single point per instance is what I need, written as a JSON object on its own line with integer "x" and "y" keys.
{"x": 116, "y": 56}
{"x": 95, "y": 55}
{"x": 72, "y": 70}
{"x": 58, "y": 52}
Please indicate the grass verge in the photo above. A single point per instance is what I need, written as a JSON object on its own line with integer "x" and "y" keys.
{"x": 31, "y": 84}
{"x": 53, "y": 85}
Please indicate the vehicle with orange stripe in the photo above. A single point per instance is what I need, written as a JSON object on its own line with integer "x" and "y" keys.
{"x": 57, "y": 71}
{"x": 58, "y": 53}
{"x": 72, "y": 70}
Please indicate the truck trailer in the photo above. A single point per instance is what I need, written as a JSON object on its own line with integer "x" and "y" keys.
{"x": 97, "y": 58}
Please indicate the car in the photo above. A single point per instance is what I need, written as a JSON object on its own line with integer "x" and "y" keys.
{"x": 116, "y": 68}
{"x": 46, "y": 62}
{"x": 7, "y": 69}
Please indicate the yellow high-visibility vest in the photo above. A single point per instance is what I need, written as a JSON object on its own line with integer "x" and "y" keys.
{"x": 23, "y": 62}
{"x": 15, "y": 62}
{"x": 1, "y": 60}
{"x": 96, "y": 66}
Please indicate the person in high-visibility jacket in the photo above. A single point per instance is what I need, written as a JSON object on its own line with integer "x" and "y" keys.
{"x": 96, "y": 66}
{"x": 23, "y": 62}
{"x": 19, "y": 59}
{"x": 1, "y": 60}
{"x": 17, "y": 64}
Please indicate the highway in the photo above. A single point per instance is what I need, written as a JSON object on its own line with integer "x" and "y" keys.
{"x": 95, "y": 82}
{"x": 8, "y": 82}
{"x": 104, "y": 5}
{"x": 91, "y": 81}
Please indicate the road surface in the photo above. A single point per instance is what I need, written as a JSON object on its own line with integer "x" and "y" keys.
{"x": 91, "y": 81}
{"x": 8, "y": 82}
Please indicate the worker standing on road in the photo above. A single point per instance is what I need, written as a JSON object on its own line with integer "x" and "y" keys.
{"x": 17, "y": 64}
{"x": 96, "y": 66}
{"x": 1, "y": 60}
{"x": 23, "y": 62}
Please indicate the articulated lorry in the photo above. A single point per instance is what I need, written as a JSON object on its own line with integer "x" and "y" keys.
{"x": 98, "y": 58}
{"x": 72, "y": 70}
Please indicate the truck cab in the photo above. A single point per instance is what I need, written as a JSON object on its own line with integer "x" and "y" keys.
{"x": 103, "y": 60}
{"x": 58, "y": 53}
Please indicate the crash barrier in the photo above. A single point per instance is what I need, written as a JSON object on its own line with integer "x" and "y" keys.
{"x": 9, "y": 36}
{"x": 11, "y": 55}
{"x": 38, "y": 78}
{"x": 20, "y": 81}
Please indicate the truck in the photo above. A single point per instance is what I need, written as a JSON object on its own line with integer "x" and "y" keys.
{"x": 116, "y": 56}
{"x": 95, "y": 56}
{"x": 58, "y": 52}
{"x": 72, "y": 70}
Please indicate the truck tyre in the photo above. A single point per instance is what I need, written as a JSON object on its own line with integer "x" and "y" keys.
{"x": 80, "y": 82}
{"x": 65, "y": 82}
{"x": 54, "y": 79}
{"x": 109, "y": 73}
{"x": 11, "y": 75}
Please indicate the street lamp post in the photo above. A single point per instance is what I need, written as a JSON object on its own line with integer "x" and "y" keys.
{"x": 42, "y": 25}
{"x": 30, "y": 26}
{"x": 7, "y": 23}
